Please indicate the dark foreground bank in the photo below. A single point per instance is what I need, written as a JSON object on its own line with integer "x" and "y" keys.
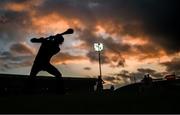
{"x": 89, "y": 104}
{"x": 156, "y": 97}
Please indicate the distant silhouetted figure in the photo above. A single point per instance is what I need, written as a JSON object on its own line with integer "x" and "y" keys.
{"x": 146, "y": 83}
{"x": 147, "y": 79}
{"x": 100, "y": 83}
{"x": 49, "y": 47}
{"x": 112, "y": 88}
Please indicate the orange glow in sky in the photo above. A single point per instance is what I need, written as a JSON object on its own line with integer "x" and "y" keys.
{"x": 130, "y": 41}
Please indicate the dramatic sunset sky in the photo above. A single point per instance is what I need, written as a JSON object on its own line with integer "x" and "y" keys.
{"x": 139, "y": 36}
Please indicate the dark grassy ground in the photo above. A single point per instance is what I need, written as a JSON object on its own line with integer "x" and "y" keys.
{"x": 89, "y": 104}
{"x": 159, "y": 97}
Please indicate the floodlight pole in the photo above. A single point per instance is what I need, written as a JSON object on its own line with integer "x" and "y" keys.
{"x": 99, "y": 52}
{"x": 99, "y": 47}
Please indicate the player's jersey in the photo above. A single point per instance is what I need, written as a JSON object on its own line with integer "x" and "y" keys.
{"x": 48, "y": 48}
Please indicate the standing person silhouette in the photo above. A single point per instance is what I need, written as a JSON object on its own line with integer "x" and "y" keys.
{"x": 49, "y": 47}
{"x": 100, "y": 83}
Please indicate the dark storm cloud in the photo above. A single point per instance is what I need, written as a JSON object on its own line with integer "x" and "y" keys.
{"x": 21, "y": 48}
{"x": 8, "y": 60}
{"x": 161, "y": 22}
{"x": 7, "y": 1}
{"x": 69, "y": 8}
{"x": 3, "y": 19}
{"x": 147, "y": 51}
{"x": 152, "y": 72}
{"x": 173, "y": 65}
{"x": 18, "y": 55}
{"x": 21, "y": 55}
{"x": 14, "y": 27}
{"x": 64, "y": 57}
{"x": 87, "y": 68}
{"x": 124, "y": 74}
{"x": 108, "y": 78}
{"x": 127, "y": 76}
{"x": 147, "y": 70}
{"x": 93, "y": 56}
{"x": 111, "y": 46}
{"x": 15, "y": 20}
{"x": 117, "y": 48}
{"x": 157, "y": 19}
{"x": 153, "y": 14}
{"x": 112, "y": 79}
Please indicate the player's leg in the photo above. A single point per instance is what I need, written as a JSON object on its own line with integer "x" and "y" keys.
{"x": 59, "y": 80}
{"x": 34, "y": 71}
{"x": 31, "y": 81}
{"x": 52, "y": 70}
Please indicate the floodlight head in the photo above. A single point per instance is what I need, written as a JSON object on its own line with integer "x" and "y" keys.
{"x": 98, "y": 46}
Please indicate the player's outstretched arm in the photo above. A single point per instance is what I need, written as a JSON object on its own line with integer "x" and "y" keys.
{"x": 37, "y": 40}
